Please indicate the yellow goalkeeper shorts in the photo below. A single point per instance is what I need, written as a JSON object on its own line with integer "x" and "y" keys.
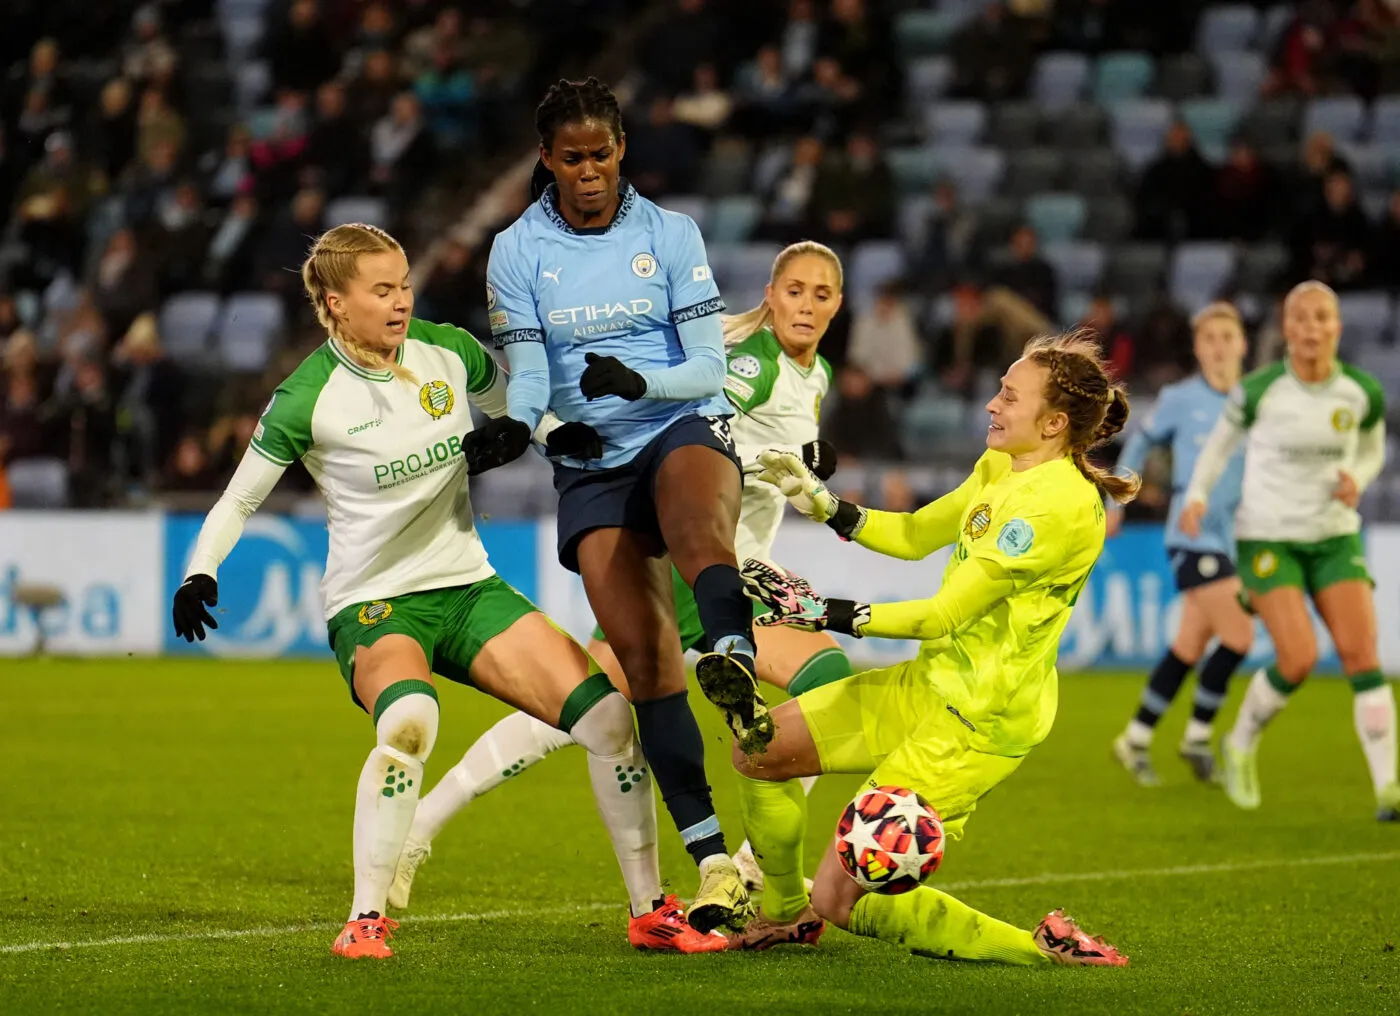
{"x": 894, "y": 725}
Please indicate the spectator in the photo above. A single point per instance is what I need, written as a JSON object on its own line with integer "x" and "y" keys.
{"x": 39, "y": 84}
{"x": 277, "y": 155}
{"x": 51, "y": 233}
{"x": 450, "y": 293}
{"x": 110, "y": 136}
{"x": 447, "y": 93}
{"x": 661, "y": 154}
{"x": 302, "y": 53}
{"x": 61, "y": 168}
{"x": 1088, "y": 26}
{"x": 1030, "y": 275}
{"x": 373, "y": 92}
{"x": 37, "y": 121}
{"x": 854, "y": 194}
{"x": 228, "y": 262}
{"x": 992, "y": 57}
{"x": 799, "y": 38}
{"x": 336, "y": 144}
{"x": 1115, "y": 340}
{"x": 1333, "y": 243}
{"x": 681, "y": 42}
{"x": 1320, "y": 159}
{"x": 706, "y": 107}
{"x": 786, "y": 213}
{"x": 146, "y": 180}
{"x": 862, "y": 426}
{"x": 400, "y": 149}
{"x": 228, "y": 173}
{"x": 148, "y": 56}
{"x": 831, "y": 100}
{"x": 9, "y": 318}
{"x": 282, "y": 246}
{"x": 947, "y": 240}
{"x": 179, "y": 238}
{"x": 376, "y": 33}
{"x": 990, "y": 328}
{"x": 421, "y": 46}
{"x": 764, "y": 95}
{"x": 189, "y": 468}
{"x": 1385, "y": 251}
{"x": 885, "y": 343}
{"x": 147, "y": 389}
{"x": 862, "y": 43}
{"x": 1246, "y": 195}
{"x": 1163, "y": 351}
{"x": 157, "y": 124}
{"x": 1174, "y": 198}
{"x": 124, "y": 282}
{"x": 1298, "y": 61}
{"x": 24, "y": 387}
{"x": 83, "y": 419}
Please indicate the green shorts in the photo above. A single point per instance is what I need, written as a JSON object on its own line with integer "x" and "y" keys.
{"x": 1265, "y": 565}
{"x": 450, "y": 624}
{"x": 687, "y": 615}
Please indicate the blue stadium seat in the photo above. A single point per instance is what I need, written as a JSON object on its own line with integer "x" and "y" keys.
{"x": 1342, "y": 116}
{"x": 694, "y": 205}
{"x": 1239, "y": 75}
{"x": 918, "y": 33}
{"x": 1200, "y": 272}
{"x": 1056, "y": 216}
{"x": 914, "y": 167}
{"x": 873, "y": 263}
{"x": 374, "y": 211}
{"x": 248, "y": 330}
{"x": 976, "y": 172}
{"x": 1033, "y": 171}
{"x": 739, "y": 267}
{"x": 1212, "y": 121}
{"x": 1262, "y": 266}
{"x": 1385, "y": 120}
{"x": 927, "y": 78}
{"x": 733, "y": 218}
{"x": 956, "y": 123}
{"x": 1227, "y": 27}
{"x": 1059, "y": 78}
{"x": 38, "y": 483}
{"x": 1372, "y": 165}
{"x": 1367, "y": 318}
{"x": 186, "y": 322}
{"x": 1078, "y": 264}
{"x": 1139, "y": 123}
{"x": 1119, "y": 76}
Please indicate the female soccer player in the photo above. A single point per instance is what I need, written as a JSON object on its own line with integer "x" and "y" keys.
{"x": 776, "y": 381}
{"x": 1314, "y": 437}
{"x": 1203, "y": 566}
{"x": 374, "y": 415}
{"x": 609, "y": 315}
{"x": 954, "y": 722}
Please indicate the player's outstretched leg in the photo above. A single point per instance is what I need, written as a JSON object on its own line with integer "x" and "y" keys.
{"x": 513, "y": 745}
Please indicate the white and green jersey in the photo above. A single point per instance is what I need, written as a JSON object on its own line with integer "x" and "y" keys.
{"x": 387, "y": 458}
{"x": 1298, "y": 438}
{"x": 779, "y": 406}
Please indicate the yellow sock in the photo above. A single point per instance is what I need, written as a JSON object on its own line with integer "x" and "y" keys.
{"x": 934, "y": 924}
{"x": 775, "y": 817}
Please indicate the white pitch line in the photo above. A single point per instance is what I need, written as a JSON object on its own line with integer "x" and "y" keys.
{"x": 1049, "y": 878}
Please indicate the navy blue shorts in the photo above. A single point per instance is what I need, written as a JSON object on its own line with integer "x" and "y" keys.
{"x": 1192, "y": 568}
{"x": 624, "y": 497}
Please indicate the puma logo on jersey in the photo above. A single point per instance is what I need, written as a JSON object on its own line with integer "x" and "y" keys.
{"x": 552, "y": 275}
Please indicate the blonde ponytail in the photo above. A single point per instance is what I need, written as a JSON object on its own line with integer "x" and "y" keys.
{"x": 331, "y": 266}
{"x": 738, "y": 327}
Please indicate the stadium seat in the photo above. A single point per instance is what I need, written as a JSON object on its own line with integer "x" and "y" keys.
{"x": 727, "y": 170}
{"x": 1370, "y": 164}
{"x": 1135, "y": 268}
{"x": 1227, "y": 27}
{"x": 1056, "y": 216}
{"x": 1276, "y": 19}
{"x": 1212, "y": 121}
{"x": 1078, "y": 264}
{"x": 929, "y": 420}
{"x": 1092, "y": 171}
{"x": 252, "y": 82}
{"x": 1123, "y": 75}
{"x": 694, "y": 205}
{"x": 914, "y": 167}
{"x": 1033, "y": 171}
{"x": 38, "y": 483}
{"x": 1238, "y": 75}
{"x": 1385, "y": 120}
{"x": 911, "y": 219}
{"x": 1139, "y": 122}
{"x": 1342, "y": 116}
{"x": 996, "y": 220}
{"x": 1080, "y": 125}
{"x": 1261, "y": 267}
{"x": 976, "y": 172}
{"x": 927, "y": 78}
{"x": 1059, "y": 79}
{"x": 738, "y": 267}
{"x": 1110, "y": 218}
{"x": 1272, "y": 122}
{"x": 1200, "y": 272}
{"x": 1014, "y": 125}
{"x": 733, "y": 218}
{"x": 374, "y": 211}
{"x": 1183, "y": 76}
{"x": 248, "y": 329}
{"x": 242, "y": 34}
{"x": 919, "y": 33}
{"x": 186, "y": 322}
{"x": 1367, "y": 318}
{"x": 872, "y": 264}
{"x": 955, "y": 123}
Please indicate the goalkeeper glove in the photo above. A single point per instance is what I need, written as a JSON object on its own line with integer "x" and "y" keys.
{"x": 808, "y": 494}
{"x": 190, "y": 611}
{"x": 501, "y": 440}
{"x": 820, "y": 457}
{"x": 607, "y": 375}
{"x": 792, "y": 602}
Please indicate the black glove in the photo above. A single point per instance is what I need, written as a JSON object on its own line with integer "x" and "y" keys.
{"x": 190, "y": 611}
{"x": 820, "y": 457}
{"x": 607, "y": 375}
{"x": 574, "y": 441}
{"x": 502, "y": 440}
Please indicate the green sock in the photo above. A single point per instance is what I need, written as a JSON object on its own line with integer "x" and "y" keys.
{"x": 821, "y": 668}
{"x": 934, "y": 924}
{"x": 775, "y": 817}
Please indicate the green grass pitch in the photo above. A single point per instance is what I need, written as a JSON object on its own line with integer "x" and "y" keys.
{"x": 185, "y": 828}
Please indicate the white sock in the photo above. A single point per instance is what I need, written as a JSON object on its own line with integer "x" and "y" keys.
{"x": 1139, "y": 734}
{"x": 509, "y": 748}
{"x": 1262, "y": 702}
{"x": 622, "y": 789}
{"x": 387, "y": 795}
{"x": 1197, "y": 730}
{"x": 1374, "y": 712}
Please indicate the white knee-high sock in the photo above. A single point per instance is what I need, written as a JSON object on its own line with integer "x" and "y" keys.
{"x": 1262, "y": 702}
{"x": 509, "y": 748}
{"x": 387, "y": 795}
{"x": 1374, "y": 712}
{"x": 807, "y": 783}
{"x": 622, "y": 788}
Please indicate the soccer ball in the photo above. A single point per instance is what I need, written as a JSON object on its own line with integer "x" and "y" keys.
{"x": 889, "y": 840}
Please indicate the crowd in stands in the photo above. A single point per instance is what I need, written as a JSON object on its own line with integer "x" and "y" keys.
{"x": 989, "y": 170}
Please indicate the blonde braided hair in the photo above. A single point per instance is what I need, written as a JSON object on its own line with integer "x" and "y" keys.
{"x": 331, "y": 266}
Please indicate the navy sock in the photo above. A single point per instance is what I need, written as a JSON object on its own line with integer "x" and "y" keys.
{"x": 1161, "y": 688}
{"x": 726, "y": 613}
{"x": 1214, "y": 678}
{"x": 675, "y": 751}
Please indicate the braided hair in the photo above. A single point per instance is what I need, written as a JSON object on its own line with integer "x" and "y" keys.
{"x": 569, "y": 102}
{"x": 1080, "y": 387}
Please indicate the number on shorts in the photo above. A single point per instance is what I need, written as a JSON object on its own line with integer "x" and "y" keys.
{"x": 719, "y": 427}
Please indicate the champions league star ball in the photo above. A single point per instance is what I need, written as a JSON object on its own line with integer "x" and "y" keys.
{"x": 889, "y": 840}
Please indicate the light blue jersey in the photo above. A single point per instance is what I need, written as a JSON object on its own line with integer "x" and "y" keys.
{"x": 639, "y": 289}
{"x": 1182, "y": 420}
